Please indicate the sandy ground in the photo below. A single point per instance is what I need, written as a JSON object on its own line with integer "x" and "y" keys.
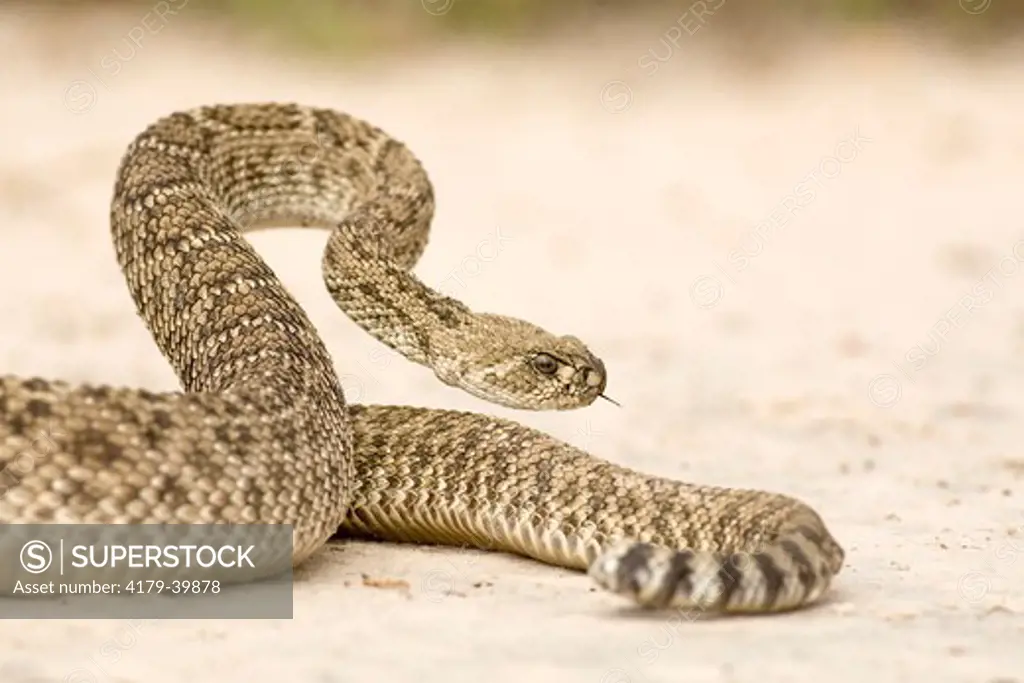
{"x": 807, "y": 280}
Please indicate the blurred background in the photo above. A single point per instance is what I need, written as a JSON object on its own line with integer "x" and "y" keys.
{"x": 374, "y": 26}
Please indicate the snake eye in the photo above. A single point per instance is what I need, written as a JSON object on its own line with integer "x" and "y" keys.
{"x": 545, "y": 364}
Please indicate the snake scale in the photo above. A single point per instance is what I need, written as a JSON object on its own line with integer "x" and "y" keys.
{"x": 261, "y": 432}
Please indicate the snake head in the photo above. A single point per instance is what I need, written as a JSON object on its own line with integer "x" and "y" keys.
{"x": 516, "y": 364}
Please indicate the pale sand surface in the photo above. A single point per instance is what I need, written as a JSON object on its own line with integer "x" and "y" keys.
{"x": 607, "y": 222}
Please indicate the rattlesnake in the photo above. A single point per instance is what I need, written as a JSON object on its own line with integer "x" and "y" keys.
{"x": 262, "y": 432}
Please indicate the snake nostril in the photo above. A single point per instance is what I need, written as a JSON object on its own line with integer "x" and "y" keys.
{"x": 599, "y": 368}
{"x": 595, "y": 376}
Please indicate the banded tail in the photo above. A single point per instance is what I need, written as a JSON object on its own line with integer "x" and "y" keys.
{"x": 791, "y": 572}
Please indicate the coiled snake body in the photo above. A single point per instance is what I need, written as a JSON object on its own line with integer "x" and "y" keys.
{"x": 262, "y": 432}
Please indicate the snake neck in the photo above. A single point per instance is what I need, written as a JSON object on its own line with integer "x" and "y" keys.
{"x": 389, "y": 302}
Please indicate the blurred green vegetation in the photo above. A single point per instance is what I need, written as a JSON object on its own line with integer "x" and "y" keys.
{"x": 369, "y": 26}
